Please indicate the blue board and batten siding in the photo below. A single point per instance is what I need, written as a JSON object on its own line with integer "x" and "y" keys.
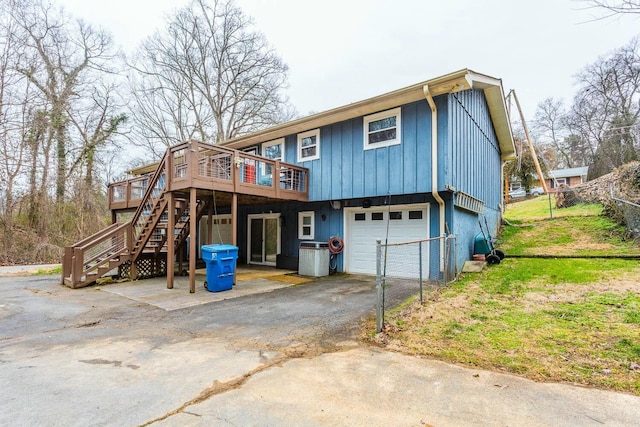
{"x": 473, "y": 162}
{"x": 473, "y": 166}
{"x": 469, "y": 160}
{"x": 346, "y": 171}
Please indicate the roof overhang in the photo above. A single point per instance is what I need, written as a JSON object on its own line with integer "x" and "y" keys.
{"x": 450, "y": 83}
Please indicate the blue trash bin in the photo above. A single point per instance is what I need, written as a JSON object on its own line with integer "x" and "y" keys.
{"x": 221, "y": 266}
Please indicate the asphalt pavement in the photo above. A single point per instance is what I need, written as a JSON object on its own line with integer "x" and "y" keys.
{"x": 290, "y": 356}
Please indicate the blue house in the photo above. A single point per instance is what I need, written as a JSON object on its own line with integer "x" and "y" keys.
{"x": 419, "y": 162}
{"x": 436, "y": 148}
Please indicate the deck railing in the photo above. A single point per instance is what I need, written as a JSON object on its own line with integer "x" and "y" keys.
{"x": 207, "y": 166}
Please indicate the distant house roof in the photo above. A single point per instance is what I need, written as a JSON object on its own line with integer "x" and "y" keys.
{"x": 566, "y": 173}
{"x": 450, "y": 83}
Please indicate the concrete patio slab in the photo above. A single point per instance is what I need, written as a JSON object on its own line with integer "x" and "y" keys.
{"x": 154, "y": 291}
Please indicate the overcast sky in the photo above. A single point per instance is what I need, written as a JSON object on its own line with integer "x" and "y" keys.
{"x": 344, "y": 51}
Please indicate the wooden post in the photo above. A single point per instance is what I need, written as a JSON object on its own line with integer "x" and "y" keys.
{"x": 506, "y": 190}
{"x": 171, "y": 240}
{"x": 133, "y": 271}
{"x": 210, "y": 221}
{"x": 234, "y": 219}
{"x": 534, "y": 157}
{"x": 193, "y": 253}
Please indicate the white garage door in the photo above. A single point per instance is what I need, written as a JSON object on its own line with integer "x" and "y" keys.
{"x": 365, "y": 226}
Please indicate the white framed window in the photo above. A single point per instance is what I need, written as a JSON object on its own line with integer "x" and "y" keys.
{"x": 306, "y": 225}
{"x": 309, "y": 145}
{"x": 272, "y": 150}
{"x": 561, "y": 181}
{"x": 382, "y": 129}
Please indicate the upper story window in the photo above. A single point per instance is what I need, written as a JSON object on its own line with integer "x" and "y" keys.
{"x": 309, "y": 145}
{"x": 273, "y": 149}
{"x": 382, "y": 129}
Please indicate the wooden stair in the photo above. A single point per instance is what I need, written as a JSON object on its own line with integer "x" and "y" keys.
{"x": 90, "y": 259}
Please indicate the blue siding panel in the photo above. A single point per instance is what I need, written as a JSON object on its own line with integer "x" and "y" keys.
{"x": 370, "y": 173}
{"x": 357, "y": 150}
{"x": 423, "y": 148}
{"x": 345, "y": 170}
{"x": 396, "y": 167}
{"x": 475, "y": 156}
{"x": 409, "y": 151}
{"x": 384, "y": 172}
{"x": 344, "y": 164}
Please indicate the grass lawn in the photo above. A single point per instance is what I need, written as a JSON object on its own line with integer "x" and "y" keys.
{"x": 562, "y": 320}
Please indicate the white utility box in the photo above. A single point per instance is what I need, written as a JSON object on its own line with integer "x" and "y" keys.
{"x": 313, "y": 259}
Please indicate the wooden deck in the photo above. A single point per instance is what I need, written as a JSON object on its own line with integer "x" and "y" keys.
{"x": 212, "y": 168}
{"x": 168, "y": 205}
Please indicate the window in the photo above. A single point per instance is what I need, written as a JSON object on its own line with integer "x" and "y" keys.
{"x": 395, "y": 215}
{"x": 382, "y": 129}
{"x": 272, "y": 150}
{"x": 309, "y": 145}
{"x": 306, "y": 225}
{"x": 377, "y": 216}
{"x": 415, "y": 214}
{"x": 360, "y": 217}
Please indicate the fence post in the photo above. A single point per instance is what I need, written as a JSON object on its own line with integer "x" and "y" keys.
{"x": 420, "y": 267}
{"x": 379, "y": 308}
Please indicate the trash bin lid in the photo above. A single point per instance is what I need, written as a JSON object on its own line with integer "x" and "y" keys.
{"x": 219, "y": 248}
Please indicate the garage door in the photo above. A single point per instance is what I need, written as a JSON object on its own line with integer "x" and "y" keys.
{"x": 406, "y": 223}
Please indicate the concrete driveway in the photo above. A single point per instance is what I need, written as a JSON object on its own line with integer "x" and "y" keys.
{"x": 286, "y": 357}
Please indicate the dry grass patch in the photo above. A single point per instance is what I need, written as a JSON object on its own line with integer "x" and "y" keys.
{"x": 578, "y": 334}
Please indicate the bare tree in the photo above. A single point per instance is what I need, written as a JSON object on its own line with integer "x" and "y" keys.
{"x": 606, "y": 109}
{"x": 95, "y": 123}
{"x": 614, "y": 7}
{"x": 210, "y": 75}
{"x": 12, "y": 144}
{"x": 61, "y": 54}
{"x": 550, "y": 125}
{"x": 59, "y": 112}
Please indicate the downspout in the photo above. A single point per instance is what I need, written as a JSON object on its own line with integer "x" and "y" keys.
{"x": 434, "y": 168}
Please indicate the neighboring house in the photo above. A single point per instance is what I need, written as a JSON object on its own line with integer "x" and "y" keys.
{"x": 570, "y": 177}
{"x": 426, "y": 160}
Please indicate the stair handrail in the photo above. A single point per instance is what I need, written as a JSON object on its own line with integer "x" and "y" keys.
{"x": 74, "y": 263}
{"x": 95, "y": 235}
{"x": 119, "y": 244}
{"x": 155, "y": 189}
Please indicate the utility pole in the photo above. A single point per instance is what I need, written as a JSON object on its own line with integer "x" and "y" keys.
{"x": 543, "y": 182}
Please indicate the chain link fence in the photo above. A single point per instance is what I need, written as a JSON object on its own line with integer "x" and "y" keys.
{"x": 630, "y": 212}
{"x": 410, "y": 268}
{"x": 616, "y": 203}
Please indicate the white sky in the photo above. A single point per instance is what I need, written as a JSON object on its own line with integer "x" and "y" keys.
{"x": 344, "y": 51}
